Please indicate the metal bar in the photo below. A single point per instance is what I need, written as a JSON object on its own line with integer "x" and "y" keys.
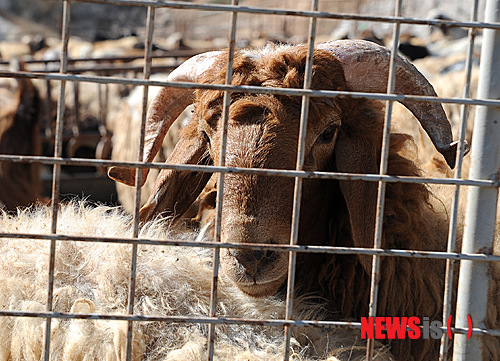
{"x": 494, "y": 183}
{"x": 56, "y": 172}
{"x": 138, "y": 178}
{"x": 384, "y": 159}
{"x": 479, "y": 231}
{"x": 249, "y": 89}
{"x": 297, "y": 192}
{"x": 258, "y": 246}
{"x": 220, "y": 180}
{"x": 452, "y": 232}
{"x": 113, "y": 69}
{"x": 158, "y": 54}
{"x": 218, "y": 321}
{"x": 47, "y": 121}
{"x": 192, "y": 319}
{"x": 103, "y": 109}
{"x": 297, "y": 195}
{"x": 75, "y": 126}
{"x": 299, "y": 13}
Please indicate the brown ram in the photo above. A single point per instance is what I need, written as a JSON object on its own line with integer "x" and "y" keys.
{"x": 343, "y": 135}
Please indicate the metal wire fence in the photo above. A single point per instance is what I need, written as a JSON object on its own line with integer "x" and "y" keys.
{"x": 483, "y": 180}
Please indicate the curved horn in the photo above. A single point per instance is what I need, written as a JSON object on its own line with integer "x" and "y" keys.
{"x": 366, "y": 69}
{"x": 164, "y": 110}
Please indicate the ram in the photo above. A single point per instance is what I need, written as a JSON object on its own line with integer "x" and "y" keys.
{"x": 344, "y": 134}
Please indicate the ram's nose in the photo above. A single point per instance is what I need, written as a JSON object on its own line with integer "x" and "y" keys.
{"x": 248, "y": 259}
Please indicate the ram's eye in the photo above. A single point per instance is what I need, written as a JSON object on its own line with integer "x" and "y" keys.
{"x": 205, "y": 135}
{"x": 328, "y": 134}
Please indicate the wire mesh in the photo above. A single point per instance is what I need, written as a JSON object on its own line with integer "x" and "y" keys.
{"x": 298, "y": 174}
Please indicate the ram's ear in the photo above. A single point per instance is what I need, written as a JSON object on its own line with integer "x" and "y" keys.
{"x": 174, "y": 191}
{"x": 353, "y": 155}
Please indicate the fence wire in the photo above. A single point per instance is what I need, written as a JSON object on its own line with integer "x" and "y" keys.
{"x": 71, "y": 74}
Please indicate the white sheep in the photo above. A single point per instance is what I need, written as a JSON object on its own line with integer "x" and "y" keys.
{"x": 448, "y": 84}
{"x": 93, "y": 278}
{"x": 125, "y": 124}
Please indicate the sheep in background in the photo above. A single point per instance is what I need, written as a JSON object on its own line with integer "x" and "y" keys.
{"x": 412, "y": 47}
{"x": 448, "y": 84}
{"x": 125, "y": 124}
{"x": 93, "y": 278}
{"x": 445, "y": 69}
{"x": 344, "y": 135}
{"x": 20, "y": 109}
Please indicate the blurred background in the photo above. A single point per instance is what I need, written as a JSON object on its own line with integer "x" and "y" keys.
{"x": 95, "y": 22}
{"x": 102, "y": 120}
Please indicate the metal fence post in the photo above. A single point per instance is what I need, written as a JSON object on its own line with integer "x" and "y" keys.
{"x": 481, "y": 206}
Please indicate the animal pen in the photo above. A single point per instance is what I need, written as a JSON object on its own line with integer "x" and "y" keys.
{"x": 481, "y": 184}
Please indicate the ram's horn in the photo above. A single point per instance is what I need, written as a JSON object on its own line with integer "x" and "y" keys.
{"x": 366, "y": 69}
{"x": 164, "y": 109}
